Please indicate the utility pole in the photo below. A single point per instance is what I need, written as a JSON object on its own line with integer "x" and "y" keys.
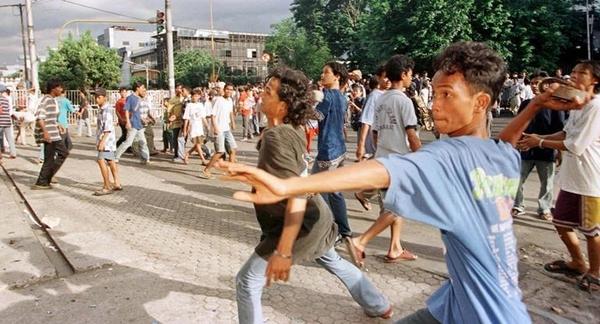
{"x": 213, "y": 77}
{"x": 24, "y": 40}
{"x": 587, "y": 29}
{"x": 170, "y": 62}
{"x": 32, "y": 53}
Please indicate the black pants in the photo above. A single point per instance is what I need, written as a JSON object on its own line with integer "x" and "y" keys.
{"x": 175, "y": 143}
{"x": 123, "y": 135}
{"x": 55, "y": 154}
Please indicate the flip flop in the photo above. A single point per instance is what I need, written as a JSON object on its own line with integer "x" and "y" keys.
{"x": 355, "y": 253}
{"x": 560, "y": 266}
{"x": 119, "y": 188}
{"x": 364, "y": 202}
{"x": 102, "y": 193}
{"x": 206, "y": 176}
{"x": 589, "y": 283}
{"x": 406, "y": 255}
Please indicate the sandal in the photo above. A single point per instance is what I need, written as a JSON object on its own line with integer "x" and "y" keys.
{"x": 206, "y": 176}
{"x": 356, "y": 254}
{"x": 589, "y": 283}
{"x": 517, "y": 212}
{"x": 561, "y": 266}
{"x": 117, "y": 188}
{"x": 406, "y": 255}
{"x": 363, "y": 201}
{"x": 386, "y": 315}
{"x": 102, "y": 192}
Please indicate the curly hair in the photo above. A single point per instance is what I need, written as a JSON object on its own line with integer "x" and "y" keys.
{"x": 295, "y": 91}
{"x": 483, "y": 69}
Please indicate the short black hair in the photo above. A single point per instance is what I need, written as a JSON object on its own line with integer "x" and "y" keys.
{"x": 136, "y": 85}
{"x": 373, "y": 83}
{"x": 339, "y": 70}
{"x": 397, "y": 65}
{"x": 52, "y": 84}
{"x": 380, "y": 70}
{"x": 594, "y": 67}
{"x": 122, "y": 88}
{"x": 483, "y": 69}
{"x": 229, "y": 84}
{"x": 295, "y": 91}
{"x": 197, "y": 91}
{"x": 356, "y": 86}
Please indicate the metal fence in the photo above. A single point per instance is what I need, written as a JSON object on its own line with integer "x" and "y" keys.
{"x": 20, "y": 99}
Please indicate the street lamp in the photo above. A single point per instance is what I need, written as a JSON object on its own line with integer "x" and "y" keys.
{"x": 145, "y": 66}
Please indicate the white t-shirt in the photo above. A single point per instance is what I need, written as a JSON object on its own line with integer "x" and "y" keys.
{"x": 195, "y": 112}
{"x": 394, "y": 112}
{"x": 368, "y": 114}
{"x": 221, "y": 110}
{"x": 425, "y": 96}
{"x": 580, "y": 170}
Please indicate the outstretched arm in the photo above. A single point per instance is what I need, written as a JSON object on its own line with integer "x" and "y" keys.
{"x": 514, "y": 130}
{"x": 270, "y": 189}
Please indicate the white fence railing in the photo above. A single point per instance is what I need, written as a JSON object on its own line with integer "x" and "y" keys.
{"x": 20, "y": 99}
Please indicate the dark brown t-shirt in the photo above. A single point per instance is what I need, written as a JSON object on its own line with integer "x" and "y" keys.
{"x": 281, "y": 153}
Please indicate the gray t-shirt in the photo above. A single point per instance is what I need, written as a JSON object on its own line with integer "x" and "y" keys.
{"x": 394, "y": 113}
{"x": 281, "y": 153}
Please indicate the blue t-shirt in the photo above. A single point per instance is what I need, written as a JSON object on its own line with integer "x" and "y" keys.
{"x": 465, "y": 187}
{"x": 64, "y": 108}
{"x": 133, "y": 105}
{"x": 331, "y": 127}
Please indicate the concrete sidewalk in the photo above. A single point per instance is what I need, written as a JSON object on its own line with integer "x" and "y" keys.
{"x": 167, "y": 249}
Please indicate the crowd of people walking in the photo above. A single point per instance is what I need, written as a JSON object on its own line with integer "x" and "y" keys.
{"x": 467, "y": 184}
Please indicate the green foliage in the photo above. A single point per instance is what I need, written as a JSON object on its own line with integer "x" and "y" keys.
{"x": 82, "y": 63}
{"x": 194, "y": 67}
{"x": 296, "y": 49}
{"x": 527, "y": 33}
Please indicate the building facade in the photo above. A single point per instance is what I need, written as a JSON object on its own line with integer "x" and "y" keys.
{"x": 118, "y": 37}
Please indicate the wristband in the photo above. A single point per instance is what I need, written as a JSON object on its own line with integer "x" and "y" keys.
{"x": 541, "y": 143}
{"x": 282, "y": 255}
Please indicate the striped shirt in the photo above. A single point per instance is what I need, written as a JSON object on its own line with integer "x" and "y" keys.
{"x": 5, "y": 112}
{"x": 48, "y": 112}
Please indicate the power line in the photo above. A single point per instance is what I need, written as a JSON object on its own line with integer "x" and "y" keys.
{"x": 103, "y": 10}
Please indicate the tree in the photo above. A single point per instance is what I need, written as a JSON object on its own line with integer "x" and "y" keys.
{"x": 82, "y": 63}
{"x": 194, "y": 67}
{"x": 296, "y": 49}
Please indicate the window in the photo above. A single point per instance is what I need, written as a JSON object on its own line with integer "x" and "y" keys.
{"x": 142, "y": 44}
{"x": 125, "y": 43}
{"x": 251, "y": 53}
{"x": 228, "y": 53}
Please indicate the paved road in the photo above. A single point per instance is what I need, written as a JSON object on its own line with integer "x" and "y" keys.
{"x": 167, "y": 249}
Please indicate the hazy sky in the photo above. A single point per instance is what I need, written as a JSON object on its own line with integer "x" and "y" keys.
{"x": 50, "y": 15}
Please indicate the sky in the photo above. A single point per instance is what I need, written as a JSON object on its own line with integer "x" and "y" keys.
{"x": 49, "y": 15}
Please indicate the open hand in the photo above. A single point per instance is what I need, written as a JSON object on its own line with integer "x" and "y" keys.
{"x": 547, "y": 100}
{"x": 528, "y": 141}
{"x": 268, "y": 189}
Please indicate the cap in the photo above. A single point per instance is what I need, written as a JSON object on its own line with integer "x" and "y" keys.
{"x": 3, "y": 88}
{"x": 357, "y": 73}
{"x": 100, "y": 92}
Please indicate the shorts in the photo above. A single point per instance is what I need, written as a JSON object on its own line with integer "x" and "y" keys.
{"x": 223, "y": 137}
{"x": 198, "y": 140}
{"x": 106, "y": 155}
{"x": 577, "y": 212}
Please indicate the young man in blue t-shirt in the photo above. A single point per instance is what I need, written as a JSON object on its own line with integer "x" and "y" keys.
{"x": 332, "y": 145}
{"x": 464, "y": 185}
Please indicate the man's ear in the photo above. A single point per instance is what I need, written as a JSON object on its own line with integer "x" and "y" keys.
{"x": 482, "y": 102}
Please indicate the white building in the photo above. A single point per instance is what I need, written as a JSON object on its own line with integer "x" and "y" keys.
{"x": 118, "y": 37}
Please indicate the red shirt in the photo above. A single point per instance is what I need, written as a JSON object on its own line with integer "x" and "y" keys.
{"x": 120, "y": 107}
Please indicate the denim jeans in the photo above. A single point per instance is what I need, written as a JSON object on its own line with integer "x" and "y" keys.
{"x": 133, "y": 135}
{"x": 335, "y": 200}
{"x": 7, "y": 132}
{"x": 251, "y": 279}
{"x": 87, "y": 124}
{"x": 545, "y": 172}
{"x": 422, "y": 316}
{"x": 55, "y": 154}
{"x": 247, "y": 131}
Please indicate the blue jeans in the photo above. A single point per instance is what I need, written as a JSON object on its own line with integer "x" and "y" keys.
{"x": 545, "y": 172}
{"x": 336, "y": 201}
{"x": 251, "y": 279}
{"x": 133, "y": 135}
